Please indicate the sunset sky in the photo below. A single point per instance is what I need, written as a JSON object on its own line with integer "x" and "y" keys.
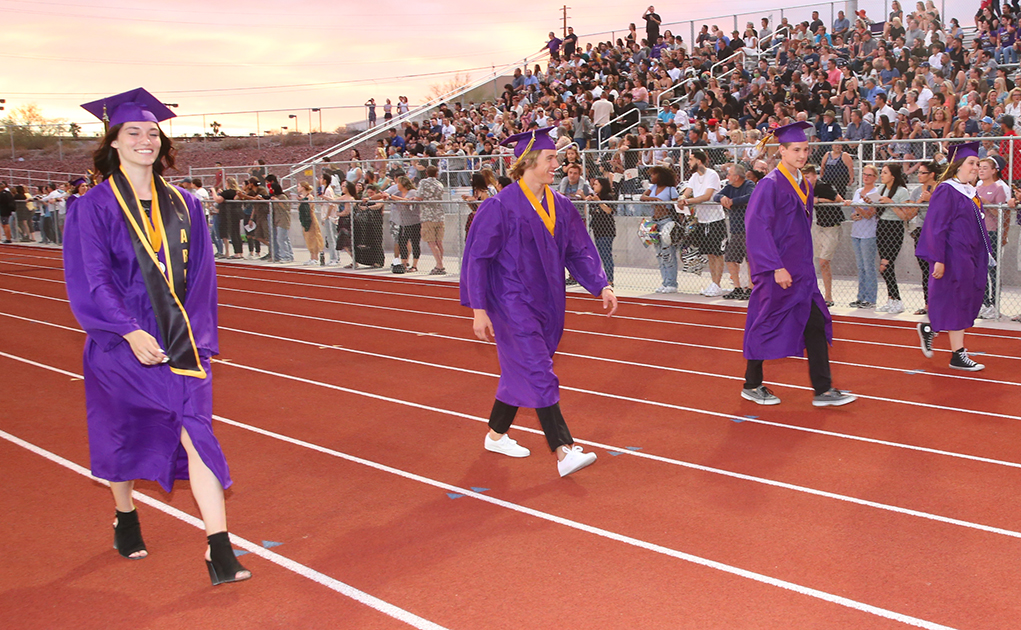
{"x": 232, "y": 56}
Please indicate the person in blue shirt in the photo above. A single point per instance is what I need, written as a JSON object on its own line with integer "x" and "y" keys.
{"x": 871, "y": 90}
{"x": 554, "y": 46}
{"x": 841, "y": 25}
{"x": 397, "y": 141}
{"x": 734, "y": 199}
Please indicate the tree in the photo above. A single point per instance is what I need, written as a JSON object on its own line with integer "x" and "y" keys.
{"x": 456, "y": 82}
{"x": 74, "y": 129}
{"x": 216, "y": 130}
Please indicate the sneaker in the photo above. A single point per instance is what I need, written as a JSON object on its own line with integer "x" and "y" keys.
{"x": 745, "y": 294}
{"x": 866, "y": 305}
{"x": 575, "y": 461}
{"x": 855, "y": 304}
{"x": 988, "y": 312}
{"x": 925, "y": 337}
{"x": 506, "y": 446}
{"x": 830, "y": 303}
{"x": 736, "y": 294}
{"x": 894, "y": 307}
{"x": 713, "y": 290}
{"x": 761, "y": 395}
{"x": 885, "y": 308}
{"x": 922, "y": 311}
{"x": 666, "y": 289}
{"x": 438, "y": 272}
{"x": 833, "y": 398}
{"x": 961, "y": 361}
{"x": 310, "y": 262}
{"x": 571, "y": 282}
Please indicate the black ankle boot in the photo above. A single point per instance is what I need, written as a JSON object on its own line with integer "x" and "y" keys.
{"x": 127, "y": 535}
{"x": 224, "y": 566}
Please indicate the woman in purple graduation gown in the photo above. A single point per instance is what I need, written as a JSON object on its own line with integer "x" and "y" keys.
{"x": 955, "y": 243}
{"x": 141, "y": 281}
{"x": 513, "y": 277}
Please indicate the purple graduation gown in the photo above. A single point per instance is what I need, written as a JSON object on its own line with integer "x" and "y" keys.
{"x": 135, "y": 412}
{"x": 954, "y": 235}
{"x": 779, "y": 235}
{"x": 514, "y": 269}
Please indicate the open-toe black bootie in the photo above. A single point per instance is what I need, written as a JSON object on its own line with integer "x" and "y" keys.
{"x": 224, "y": 566}
{"x": 127, "y": 535}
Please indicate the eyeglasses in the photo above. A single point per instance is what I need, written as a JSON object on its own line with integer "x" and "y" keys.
{"x": 868, "y": 175}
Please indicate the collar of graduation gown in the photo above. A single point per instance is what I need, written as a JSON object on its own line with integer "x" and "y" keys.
{"x": 965, "y": 189}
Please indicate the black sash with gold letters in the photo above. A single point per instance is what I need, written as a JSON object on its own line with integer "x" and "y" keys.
{"x": 169, "y": 230}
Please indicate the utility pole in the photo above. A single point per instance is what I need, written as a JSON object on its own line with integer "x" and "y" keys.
{"x": 318, "y": 109}
{"x": 564, "y": 10}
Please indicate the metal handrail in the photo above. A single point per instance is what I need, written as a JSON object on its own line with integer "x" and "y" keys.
{"x": 777, "y": 44}
{"x": 430, "y": 105}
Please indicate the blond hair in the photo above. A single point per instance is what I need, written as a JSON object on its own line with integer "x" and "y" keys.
{"x": 525, "y": 162}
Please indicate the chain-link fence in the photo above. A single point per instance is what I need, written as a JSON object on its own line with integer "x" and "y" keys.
{"x": 864, "y": 234}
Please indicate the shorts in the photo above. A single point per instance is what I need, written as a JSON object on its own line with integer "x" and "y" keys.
{"x": 735, "y": 251}
{"x": 432, "y": 231}
{"x": 711, "y": 238}
{"x": 825, "y": 240}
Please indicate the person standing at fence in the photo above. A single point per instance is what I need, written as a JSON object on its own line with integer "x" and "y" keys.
{"x": 330, "y": 219}
{"x": 23, "y": 215}
{"x": 433, "y": 214}
{"x": 230, "y": 219}
{"x": 786, "y": 313}
{"x": 993, "y": 191}
{"x": 664, "y": 189}
{"x": 863, "y": 237}
{"x": 513, "y": 278}
{"x": 927, "y": 182}
{"x": 141, "y": 281}
{"x": 955, "y": 242}
{"x": 711, "y": 231}
{"x": 734, "y": 198}
{"x": 827, "y": 229}
{"x": 281, "y": 234}
{"x": 8, "y": 210}
{"x": 602, "y": 223}
{"x": 310, "y": 227}
{"x": 405, "y": 217}
{"x": 257, "y": 222}
{"x": 890, "y": 232}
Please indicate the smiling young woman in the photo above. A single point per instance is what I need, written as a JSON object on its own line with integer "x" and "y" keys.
{"x": 142, "y": 284}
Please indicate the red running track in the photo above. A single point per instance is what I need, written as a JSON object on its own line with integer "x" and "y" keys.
{"x": 351, "y": 406}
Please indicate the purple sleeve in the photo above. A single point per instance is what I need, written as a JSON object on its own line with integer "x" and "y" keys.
{"x": 582, "y": 257}
{"x": 763, "y": 255}
{"x": 92, "y": 287}
{"x": 484, "y": 243}
{"x": 932, "y": 242}
{"x": 200, "y": 300}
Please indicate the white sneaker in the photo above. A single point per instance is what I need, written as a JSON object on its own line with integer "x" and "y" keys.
{"x": 885, "y": 308}
{"x": 713, "y": 290}
{"x": 666, "y": 289}
{"x": 988, "y": 312}
{"x": 895, "y": 306}
{"x": 574, "y": 461}
{"x": 506, "y": 446}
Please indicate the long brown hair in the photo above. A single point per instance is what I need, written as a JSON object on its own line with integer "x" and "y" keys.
{"x": 106, "y": 160}
{"x": 950, "y": 172}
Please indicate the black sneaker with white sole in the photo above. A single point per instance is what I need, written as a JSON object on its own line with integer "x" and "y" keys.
{"x": 833, "y": 398}
{"x": 961, "y": 361}
{"x": 761, "y": 395}
{"x": 925, "y": 337}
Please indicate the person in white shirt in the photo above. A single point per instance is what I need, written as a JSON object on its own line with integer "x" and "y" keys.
{"x": 602, "y": 112}
{"x": 712, "y": 221}
{"x": 924, "y": 94}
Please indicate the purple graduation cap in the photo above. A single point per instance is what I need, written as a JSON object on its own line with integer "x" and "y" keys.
{"x": 962, "y": 151}
{"x": 534, "y": 140}
{"x": 136, "y": 105}
{"x": 78, "y": 182}
{"x": 794, "y": 132}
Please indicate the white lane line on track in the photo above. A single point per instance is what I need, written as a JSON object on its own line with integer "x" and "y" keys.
{"x": 597, "y": 531}
{"x": 295, "y": 567}
{"x": 623, "y": 317}
{"x": 609, "y": 447}
{"x": 629, "y": 399}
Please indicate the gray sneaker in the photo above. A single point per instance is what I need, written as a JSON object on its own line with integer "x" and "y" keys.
{"x": 833, "y": 398}
{"x": 760, "y": 395}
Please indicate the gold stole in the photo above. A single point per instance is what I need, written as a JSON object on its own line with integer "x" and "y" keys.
{"x": 802, "y": 195}
{"x": 548, "y": 218}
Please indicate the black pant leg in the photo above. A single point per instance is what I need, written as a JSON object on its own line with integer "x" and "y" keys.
{"x": 817, "y": 349}
{"x": 502, "y": 417}
{"x": 753, "y": 374}
{"x": 923, "y": 266}
{"x": 554, "y": 426}
{"x": 890, "y": 236}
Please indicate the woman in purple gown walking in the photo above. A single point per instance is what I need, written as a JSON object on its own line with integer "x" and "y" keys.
{"x": 138, "y": 263}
